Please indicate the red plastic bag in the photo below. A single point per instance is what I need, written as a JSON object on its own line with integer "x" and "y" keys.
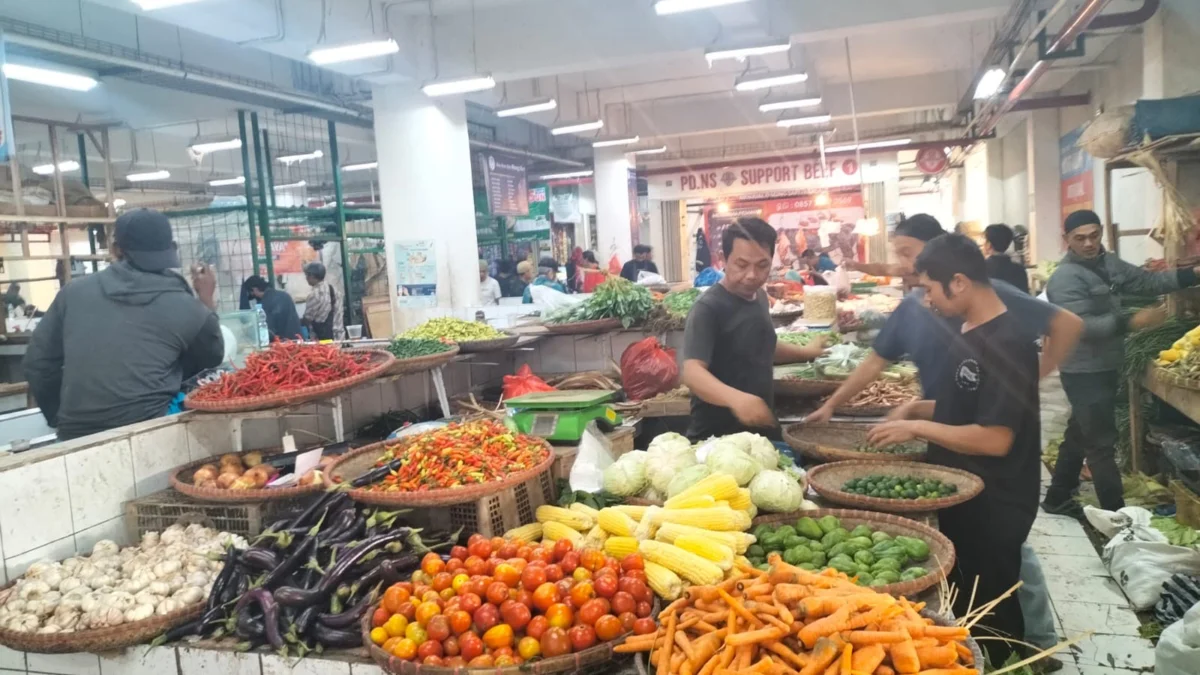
{"x": 524, "y": 382}
{"x": 614, "y": 265}
{"x": 648, "y": 369}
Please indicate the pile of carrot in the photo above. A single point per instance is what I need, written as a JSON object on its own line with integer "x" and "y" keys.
{"x": 791, "y": 621}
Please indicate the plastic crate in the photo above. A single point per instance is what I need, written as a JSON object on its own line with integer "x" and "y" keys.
{"x": 494, "y": 514}
{"x": 158, "y": 511}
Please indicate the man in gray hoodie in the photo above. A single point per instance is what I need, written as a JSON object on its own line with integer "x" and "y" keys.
{"x": 1090, "y": 283}
{"x": 115, "y": 347}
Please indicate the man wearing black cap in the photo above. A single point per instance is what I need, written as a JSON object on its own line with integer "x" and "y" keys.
{"x": 1090, "y": 283}
{"x": 114, "y": 347}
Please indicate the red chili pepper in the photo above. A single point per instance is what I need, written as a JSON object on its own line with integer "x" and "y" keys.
{"x": 284, "y": 366}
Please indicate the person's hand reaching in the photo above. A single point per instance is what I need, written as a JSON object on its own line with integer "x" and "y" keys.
{"x": 753, "y": 412}
{"x": 1148, "y": 318}
{"x": 205, "y": 283}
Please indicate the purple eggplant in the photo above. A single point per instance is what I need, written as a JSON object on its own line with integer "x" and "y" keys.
{"x": 300, "y": 597}
{"x": 270, "y": 611}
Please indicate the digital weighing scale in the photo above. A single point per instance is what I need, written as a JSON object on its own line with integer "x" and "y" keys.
{"x": 561, "y": 415}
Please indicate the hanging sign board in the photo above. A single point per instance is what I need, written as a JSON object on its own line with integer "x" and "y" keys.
{"x": 749, "y": 177}
{"x": 1075, "y": 174}
{"x": 416, "y": 273}
{"x": 932, "y": 161}
{"x": 504, "y": 180}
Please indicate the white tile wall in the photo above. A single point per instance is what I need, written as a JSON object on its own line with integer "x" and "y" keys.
{"x": 64, "y": 664}
{"x": 592, "y": 352}
{"x": 366, "y": 402}
{"x": 37, "y": 506}
{"x": 55, "y": 550}
{"x": 411, "y": 392}
{"x": 303, "y": 426}
{"x": 261, "y": 433}
{"x": 365, "y": 669}
{"x": 208, "y": 662}
{"x": 208, "y": 436}
{"x": 113, "y": 529}
{"x": 100, "y": 480}
{"x": 274, "y": 665}
{"x": 13, "y": 659}
{"x": 156, "y": 454}
{"x": 139, "y": 661}
{"x": 619, "y": 342}
{"x": 558, "y": 354}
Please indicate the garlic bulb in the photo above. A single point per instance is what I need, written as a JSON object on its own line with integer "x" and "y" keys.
{"x": 139, "y": 613}
{"x": 90, "y": 602}
{"x": 25, "y": 623}
{"x": 122, "y": 601}
{"x": 37, "y": 569}
{"x": 36, "y": 608}
{"x": 159, "y": 588}
{"x": 66, "y": 619}
{"x": 188, "y": 595}
{"x": 176, "y": 582}
{"x": 15, "y": 606}
{"x": 100, "y": 580}
{"x": 52, "y": 599}
{"x": 147, "y": 598}
{"x": 150, "y": 540}
{"x": 34, "y": 590}
{"x": 105, "y": 548}
{"x": 198, "y": 579}
{"x": 69, "y": 584}
{"x": 52, "y": 578}
{"x": 166, "y": 569}
{"x": 49, "y": 628}
{"x": 71, "y": 564}
{"x": 167, "y": 606}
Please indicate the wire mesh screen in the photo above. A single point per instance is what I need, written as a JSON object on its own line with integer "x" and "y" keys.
{"x": 220, "y": 238}
{"x": 297, "y": 155}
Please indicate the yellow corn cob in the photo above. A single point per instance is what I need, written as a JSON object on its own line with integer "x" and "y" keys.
{"x": 708, "y": 549}
{"x": 615, "y": 522}
{"x": 554, "y": 530}
{"x": 557, "y": 514}
{"x": 738, "y": 541}
{"x": 741, "y": 500}
{"x": 687, "y": 565}
{"x": 696, "y": 502}
{"x": 665, "y": 583}
{"x": 647, "y": 527}
{"x": 619, "y": 547}
{"x": 584, "y": 509}
{"x": 595, "y": 538}
{"x": 717, "y": 518}
{"x": 635, "y": 512}
{"x": 718, "y": 486}
{"x": 528, "y": 534}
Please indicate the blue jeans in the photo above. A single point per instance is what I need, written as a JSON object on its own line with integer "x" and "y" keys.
{"x": 1035, "y": 602}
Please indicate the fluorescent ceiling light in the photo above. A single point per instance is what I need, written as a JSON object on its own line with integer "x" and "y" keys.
{"x": 803, "y": 121}
{"x": 576, "y": 127}
{"x": 63, "y": 167}
{"x": 766, "y": 80}
{"x": 741, "y": 53}
{"x": 227, "y": 181}
{"x": 462, "y": 86}
{"x": 289, "y": 186}
{"x": 365, "y": 166}
{"x": 353, "y": 52}
{"x": 788, "y": 103}
{"x": 610, "y": 142}
{"x": 162, "y": 174}
{"x": 569, "y": 174}
{"x": 148, "y": 5}
{"x": 677, "y": 6}
{"x": 291, "y": 159}
{"x": 990, "y": 83}
{"x": 870, "y": 145}
{"x": 205, "y": 148}
{"x": 50, "y": 78}
{"x": 650, "y": 151}
{"x": 527, "y": 108}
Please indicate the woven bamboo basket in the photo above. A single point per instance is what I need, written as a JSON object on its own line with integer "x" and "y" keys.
{"x": 96, "y": 639}
{"x": 422, "y": 363}
{"x": 1167, "y": 377}
{"x": 379, "y": 363}
{"x": 864, "y": 410}
{"x": 584, "y": 327}
{"x": 784, "y": 318}
{"x": 569, "y": 663}
{"x": 810, "y": 388}
{"x": 835, "y": 442}
{"x": 941, "y": 551}
{"x": 827, "y": 480}
{"x": 181, "y": 481}
{"x": 493, "y": 345}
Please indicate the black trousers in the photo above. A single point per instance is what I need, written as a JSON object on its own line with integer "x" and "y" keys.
{"x": 1092, "y": 434}
{"x": 987, "y": 541}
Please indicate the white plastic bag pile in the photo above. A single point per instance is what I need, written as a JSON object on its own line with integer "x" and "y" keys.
{"x": 1138, "y": 556}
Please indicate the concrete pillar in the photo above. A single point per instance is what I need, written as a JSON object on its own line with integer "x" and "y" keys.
{"x": 1045, "y": 185}
{"x": 426, "y": 194}
{"x": 1171, "y": 50}
{"x": 995, "y": 185}
{"x": 615, "y": 205}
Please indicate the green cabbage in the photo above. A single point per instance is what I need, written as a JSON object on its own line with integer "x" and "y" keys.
{"x": 670, "y": 443}
{"x": 627, "y": 475}
{"x": 727, "y": 457}
{"x": 776, "y": 491}
{"x": 662, "y": 468}
{"x": 686, "y": 478}
{"x": 758, "y": 447}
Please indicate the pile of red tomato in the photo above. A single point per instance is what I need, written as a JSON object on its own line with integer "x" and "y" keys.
{"x": 497, "y": 603}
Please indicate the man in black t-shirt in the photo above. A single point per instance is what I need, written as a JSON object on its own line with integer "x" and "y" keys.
{"x": 1000, "y": 265}
{"x": 985, "y": 420}
{"x": 729, "y": 345}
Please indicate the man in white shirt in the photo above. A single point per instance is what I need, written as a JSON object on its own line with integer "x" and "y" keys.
{"x": 489, "y": 288}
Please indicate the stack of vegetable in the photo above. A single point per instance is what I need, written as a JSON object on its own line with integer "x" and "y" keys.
{"x": 498, "y": 603}
{"x": 305, "y": 583}
{"x": 1176, "y": 532}
{"x": 804, "y": 337}
{"x": 284, "y": 366}
{"x": 165, "y": 573}
{"x": 910, "y": 448}
{"x": 680, "y": 302}
{"x": 794, "y": 621}
{"x": 451, "y": 330}
{"x": 452, "y": 456}
{"x": 899, "y": 487}
{"x": 615, "y": 298}
{"x": 1183, "y": 358}
{"x": 872, "y": 557}
{"x": 670, "y": 465}
{"x": 412, "y": 348}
